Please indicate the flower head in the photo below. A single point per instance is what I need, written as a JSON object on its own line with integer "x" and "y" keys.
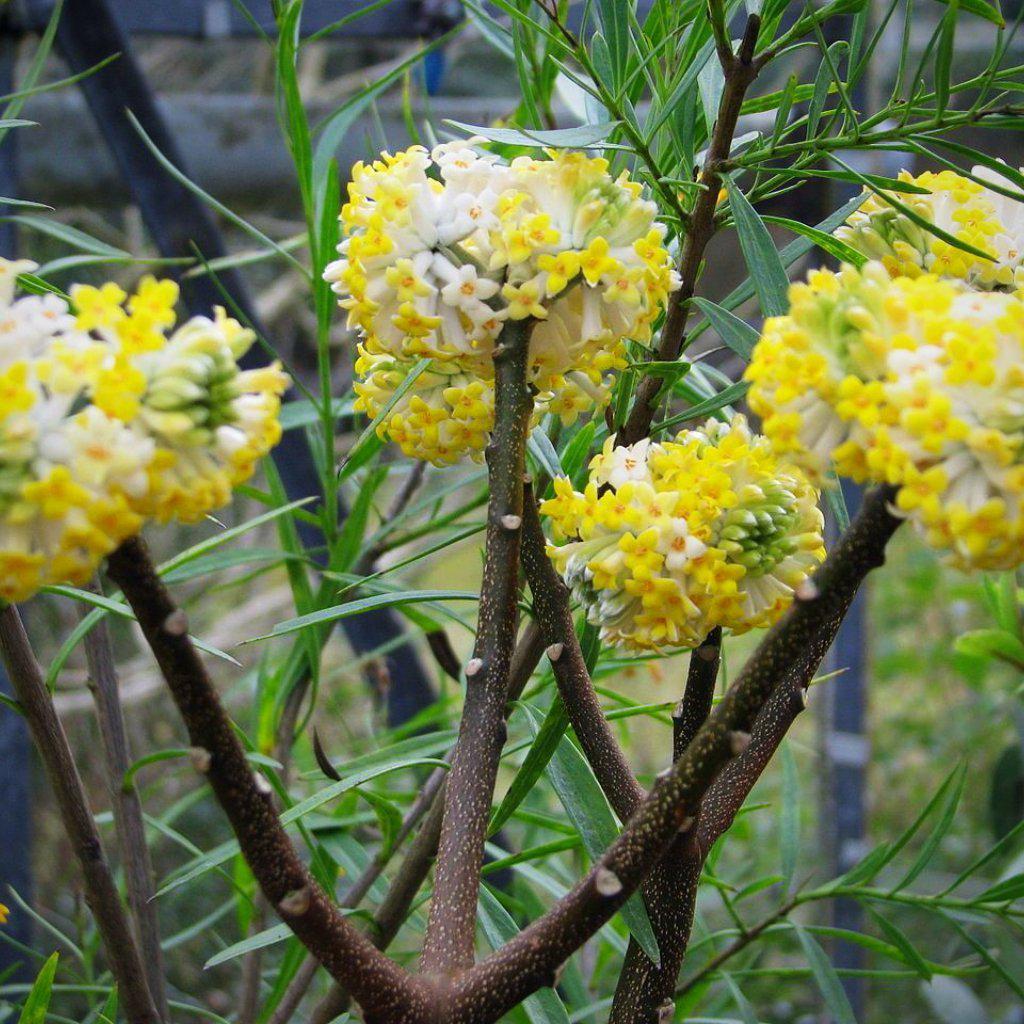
{"x": 987, "y": 220}
{"x": 914, "y": 382}
{"x": 69, "y": 473}
{"x": 209, "y": 420}
{"x": 669, "y": 540}
{"x": 443, "y": 247}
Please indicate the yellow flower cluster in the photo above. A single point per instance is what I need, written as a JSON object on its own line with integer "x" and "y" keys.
{"x": 986, "y": 220}
{"x": 916, "y": 382}
{"x": 672, "y": 539}
{"x": 106, "y": 419}
{"x": 443, "y": 247}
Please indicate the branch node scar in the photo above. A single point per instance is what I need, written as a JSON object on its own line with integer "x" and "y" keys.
{"x": 738, "y": 741}
{"x": 511, "y": 522}
{"x": 296, "y": 902}
{"x": 554, "y": 652}
{"x": 262, "y": 785}
{"x": 666, "y": 1011}
{"x": 607, "y": 882}
{"x": 176, "y": 624}
{"x": 201, "y": 759}
{"x": 473, "y": 666}
{"x": 807, "y": 590}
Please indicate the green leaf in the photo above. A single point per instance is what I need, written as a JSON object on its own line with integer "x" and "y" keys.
{"x": 763, "y": 261}
{"x": 747, "y": 1013}
{"x": 38, "y": 1002}
{"x": 944, "y": 57}
{"x": 902, "y": 943}
{"x": 215, "y": 204}
{"x": 736, "y": 333}
{"x": 363, "y": 604}
{"x": 68, "y": 235}
{"x": 543, "y": 451}
{"x": 947, "y": 811}
{"x": 827, "y": 243}
{"x": 827, "y": 980}
{"x": 992, "y": 643}
{"x": 727, "y": 396}
{"x": 582, "y": 137}
{"x": 226, "y": 851}
{"x": 545, "y": 743}
{"x": 588, "y": 810}
{"x": 368, "y": 442}
{"x": 121, "y": 610}
{"x": 267, "y": 937}
{"x": 226, "y": 536}
{"x": 990, "y": 12}
{"x": 1011, "y": 888}
{"x": 302, "y": 412}
{"x": 544, "y": 1006}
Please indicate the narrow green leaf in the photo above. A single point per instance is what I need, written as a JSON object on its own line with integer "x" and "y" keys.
{"x": 368, "y": 442}
{"x": 763, "y": 261}
{"x": 38, "y": 1002}
{"x": 544, "y": 1006}
{"x": 827, "y": 980}
{"x": 944, "y": 57}
{"x": 902, "y": 943}
{"x": 545, "y": 743}
{"x": 588, "y": 810}
{"x": 725, "y": 397}
{"x": 947, "y": 812}
{"x": 736, "y": 333}
{"x": 363, "y": 604}
{"x": 267, "y": 937}
{"x": 582, "y": 137}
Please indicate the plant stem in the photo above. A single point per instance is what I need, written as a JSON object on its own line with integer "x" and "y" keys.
{"x": 554, "y": 616}
{"x": 694, "y": 708}
{"x": 451, "y": 928}
{"x": 740, "y": 71}
{"x": 124, "y": 800}
{"x": 383, "y": 989}
{"x": 126, "y": 963}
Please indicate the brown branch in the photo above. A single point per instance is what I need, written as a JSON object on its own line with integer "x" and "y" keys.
{"x": 394, "y": 908}
{"x": 529, "y": 960}
{"x": 740, "y": 71}
{"x": 451, "y": 926}
{"x": 643, "y": 990}
{"x": 644, "y": 987}
{"x": 382, "y": 988}
{"x": 554, "y": 616}
{"x": 124, "y": 801}
{"x": 692, "y": 711}
{"x": 126, "y": 963}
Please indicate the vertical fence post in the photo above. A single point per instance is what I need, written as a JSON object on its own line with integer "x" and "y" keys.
{"x": 15, "y": 763}
{"x": 845, "y": 750}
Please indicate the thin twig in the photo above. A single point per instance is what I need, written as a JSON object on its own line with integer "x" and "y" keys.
{"x": 693, "y": 710}
{"x": 451, "y": 926}
{"x": 528, "y": 961}
{"x": 126, "y": 963}
{"x": 740, "y": 71}
{"x": 124, "y": 800}
{"x": 383, "y": 989}
{"x": 554, "y": 616}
